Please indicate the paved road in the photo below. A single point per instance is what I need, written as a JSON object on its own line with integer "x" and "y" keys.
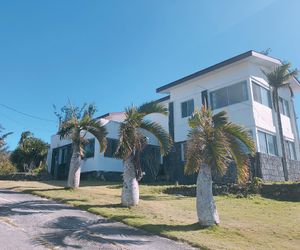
{"x": 30, "y": 222}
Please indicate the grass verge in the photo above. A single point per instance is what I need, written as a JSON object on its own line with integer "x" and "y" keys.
{"x": 246, "y": 223}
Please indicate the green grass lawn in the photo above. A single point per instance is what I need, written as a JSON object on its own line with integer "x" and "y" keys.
{"x": 246, "y": 223}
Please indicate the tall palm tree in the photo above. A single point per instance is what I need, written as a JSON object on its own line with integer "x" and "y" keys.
{"x": 73, "y": 128}
{"x": 213, "y": 142}
{"x": 132, "y": 141}
{"x": 279, "y": 78}
{"x": 3, "y": 137}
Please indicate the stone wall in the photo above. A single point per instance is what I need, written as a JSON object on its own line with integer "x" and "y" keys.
{"x": 294, "y": 170}
{"x": 270, "y": 168}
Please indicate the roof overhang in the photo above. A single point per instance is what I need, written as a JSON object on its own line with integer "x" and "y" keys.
{"x": 251, "y": 55}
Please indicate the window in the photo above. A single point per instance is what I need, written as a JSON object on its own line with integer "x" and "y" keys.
{"x": 183, "y": 151}
{"x": 89, "y": 148}
{"x": 232, "y": 94}
{"x": 267, "y": 143}
{"x": 284, "y": 107}
{"x": 112, "y": 145}
{"x": 290, "y": 149}
{"x": 261, "y": 95}
{"x": 187, "y": 108}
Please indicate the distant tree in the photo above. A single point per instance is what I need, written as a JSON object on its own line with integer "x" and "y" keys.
{"x": 213, "y": 142}
{"x": 132, "y": 141}
{"x": 74, "y": 123}
{"x": 6, "y": 167}
{"x": 277, "y": 79}
{"x": 30, "y": 153}
{"x": 3, "y": 137}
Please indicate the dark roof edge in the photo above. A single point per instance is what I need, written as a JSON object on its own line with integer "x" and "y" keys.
{"x": 162, "y": 99}
{"x": 103, "y": 116}
{"x": 207, "y": 70}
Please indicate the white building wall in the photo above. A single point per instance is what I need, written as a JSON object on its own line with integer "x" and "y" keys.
{"x": 98, "y": 162}
{"x": 250, "y": 114}
{"x": 193, "y": 88}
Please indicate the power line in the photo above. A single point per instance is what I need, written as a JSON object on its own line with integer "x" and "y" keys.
{"x": 25, "y": 114}
{"x": 25, "y": 126}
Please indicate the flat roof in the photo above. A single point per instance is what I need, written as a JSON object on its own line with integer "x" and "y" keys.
{"x": 218, "y": 66}
{"x": 165, "y": 98}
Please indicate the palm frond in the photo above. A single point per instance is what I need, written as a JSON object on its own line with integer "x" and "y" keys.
{"x": 215, "y": 141}
{"x": 194, "y": 147}
{"x": 164, "y": 139}
{"x": 245, "y": 140}
{"x": 96, "y": 129}
{"x": 67, "y": 128}
{"x": 240, "y": 158}
{"x": 126, "y": 142}
{"x": 216, "y": 152}
{"x": 152, "y": 107}
{"x": 220, "y": 119}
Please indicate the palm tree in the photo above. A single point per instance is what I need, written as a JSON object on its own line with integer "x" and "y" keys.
{"x": 3, "y": 137}
{"x": 73, "y": 128}
{"x": 132, "y": 141}
{"x": 278, "y": 78}
{"x": 213, "y": 142}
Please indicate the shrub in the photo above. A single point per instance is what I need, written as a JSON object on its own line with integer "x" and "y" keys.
{"x": 6, "y": 167}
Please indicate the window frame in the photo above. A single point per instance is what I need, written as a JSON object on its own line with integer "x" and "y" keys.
{"x": 267, "y": 144}
{"x": 261, "y": 88}
{"x": 189, "y": 107}
{"x": 112, "y": 144}
{"x": 92, "y": 153}
{"x": 229, "y": 101}
{"x": 284, "y": 107}
{"x": 291, "y": 150}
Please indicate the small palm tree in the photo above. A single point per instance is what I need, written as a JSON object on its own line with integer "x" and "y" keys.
{"x": 132, "y": 141}
{"x": 278, "y": 78}
{"x": 213, "y": 142}
{"x": 72, "y": 129}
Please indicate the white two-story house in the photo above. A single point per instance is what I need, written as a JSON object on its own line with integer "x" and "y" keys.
{"x": 103, "y": 165}
{"x": 239, "y": 87}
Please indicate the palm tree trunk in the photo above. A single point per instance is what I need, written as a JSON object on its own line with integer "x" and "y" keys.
{"x": 130, "y": 190}
{"x": 75, "y": 167}
{"x": 284, "y": 160}
{"x": 206, "y": 207}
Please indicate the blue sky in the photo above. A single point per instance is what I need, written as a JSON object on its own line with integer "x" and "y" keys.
{"x": 115, "y": 53}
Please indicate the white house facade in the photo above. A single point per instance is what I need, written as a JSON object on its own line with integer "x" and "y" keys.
{"x": 237, "y": 86}
{"x": 103, "y": 165}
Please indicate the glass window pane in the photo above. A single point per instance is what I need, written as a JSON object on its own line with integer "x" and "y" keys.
{"x": 272, "y": 148}
{"x": 89, "y": 148}
{"x": 237, "y": 93}
{"x": 265, "y": 97}
{"x": 290, "y": 148}
{"x": 256, "y": 92}
{"x": 281, "y": 109}
{"x": 184, "y": 109}
{"x": 286, "y": 108}
{"x": 262, "y": 142}
{"x": 190, "y": 107}
{"x": 219, "y": 98}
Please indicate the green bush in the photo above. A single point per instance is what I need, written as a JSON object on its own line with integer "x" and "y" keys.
{"x": 6, "y": 167}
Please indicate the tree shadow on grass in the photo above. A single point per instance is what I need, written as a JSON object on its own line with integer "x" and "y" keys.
{"x": 163, "y": 228}
{"x": 161, "y": 197}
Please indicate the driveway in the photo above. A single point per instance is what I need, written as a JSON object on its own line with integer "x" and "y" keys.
{"x": 31, "y": 222}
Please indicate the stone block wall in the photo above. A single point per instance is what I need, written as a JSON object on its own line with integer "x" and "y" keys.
{"x": 294, "y": 170}
{"x": 270, "y": 167}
